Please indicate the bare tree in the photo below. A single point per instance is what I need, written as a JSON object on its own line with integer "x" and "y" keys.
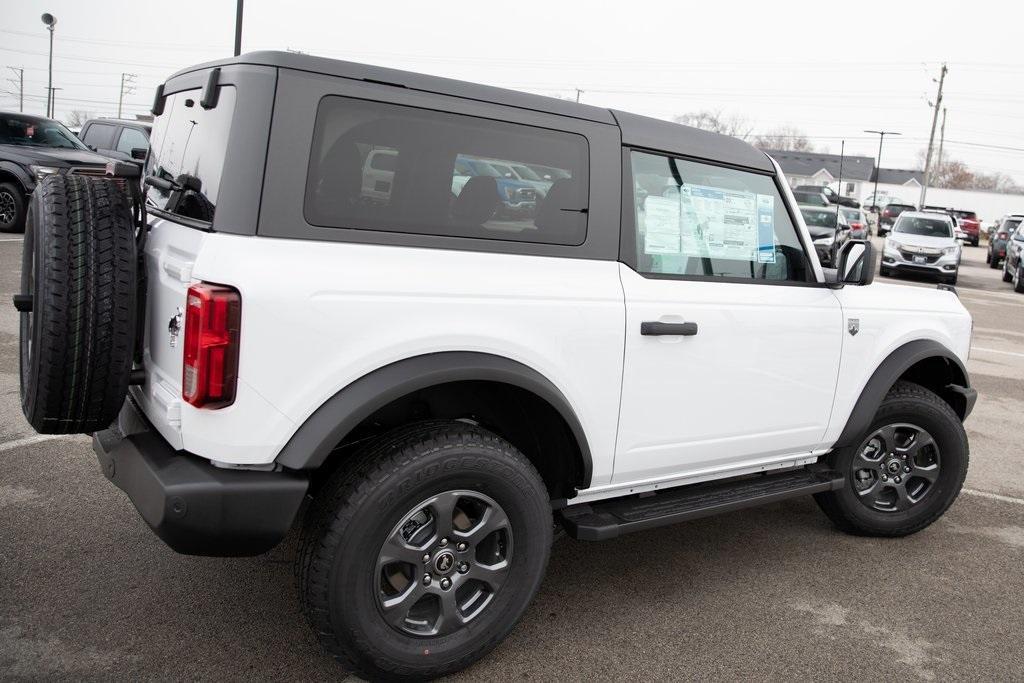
{"x": 76, "y": 118}
{"x": 786, "y": 139}
{"x": 717, "y": 122}
{"x": 956, "y": 175}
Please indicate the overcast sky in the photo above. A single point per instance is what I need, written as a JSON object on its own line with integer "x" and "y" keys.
{"x": 831, "y": 69}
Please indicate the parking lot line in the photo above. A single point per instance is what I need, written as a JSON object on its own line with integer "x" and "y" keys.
{"x": 11, "y": 239}
{"x": 29, "y": 440}
{"x": 1005, "y": 353}
{"x": 994, "y": 496}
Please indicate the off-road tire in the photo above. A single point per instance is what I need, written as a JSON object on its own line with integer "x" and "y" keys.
{"x": 79, "y": 267}
{"x": 355, "y": 510}
{"x": 905, "y": 402}
{"x": 12, "y": 203}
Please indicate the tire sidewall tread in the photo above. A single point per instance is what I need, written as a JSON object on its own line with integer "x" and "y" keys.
{"x": 905, "y": 402}
{"x": 361, "y": 504}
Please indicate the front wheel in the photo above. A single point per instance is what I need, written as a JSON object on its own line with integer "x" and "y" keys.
{"x": 12, "y": 208}
{"x": 420, "y": 554}
{"x": 906, "y": 471}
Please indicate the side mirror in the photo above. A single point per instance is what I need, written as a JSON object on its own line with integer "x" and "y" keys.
{"x": 139, "y": 153}
{"x": 855, "y": 264}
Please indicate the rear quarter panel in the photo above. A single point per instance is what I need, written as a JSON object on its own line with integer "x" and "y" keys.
{"x": 316, "y": 316}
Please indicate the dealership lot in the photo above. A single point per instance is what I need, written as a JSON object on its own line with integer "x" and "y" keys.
{"x": 89, "y": 593}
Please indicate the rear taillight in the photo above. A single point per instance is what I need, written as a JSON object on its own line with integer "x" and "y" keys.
{"x": 210, "y": 372}
{"x": 1002, "y": 235}
{"x": 887, "y": 213}
{"x": 856, "y": 226}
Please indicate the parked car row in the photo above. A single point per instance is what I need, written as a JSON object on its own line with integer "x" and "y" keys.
{"x": 32, "y": 147}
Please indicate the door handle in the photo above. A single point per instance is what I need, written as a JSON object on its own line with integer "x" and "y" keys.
{"x": 653, "y": 329}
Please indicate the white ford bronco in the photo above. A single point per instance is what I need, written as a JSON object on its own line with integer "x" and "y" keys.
{"x": 319, "y": 309}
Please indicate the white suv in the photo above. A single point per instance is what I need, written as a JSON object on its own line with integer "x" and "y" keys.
{"x": 923, "y": 242}
{"x": 425, "y": 387}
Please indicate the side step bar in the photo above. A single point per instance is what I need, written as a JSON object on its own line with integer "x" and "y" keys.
{"x": 608, "y": 519}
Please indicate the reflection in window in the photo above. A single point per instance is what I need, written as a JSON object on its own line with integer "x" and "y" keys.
{"x": 399, "y": 169}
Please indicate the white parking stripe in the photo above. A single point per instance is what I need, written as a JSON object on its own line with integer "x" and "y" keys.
{"x": 11, "y": 239}
{"x": 994, "y": 496}
{"x": 1005, "y": 353}
{"x": 29, "y": 440}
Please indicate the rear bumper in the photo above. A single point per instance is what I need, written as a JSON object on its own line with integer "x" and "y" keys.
{"x": 193, "y": 506}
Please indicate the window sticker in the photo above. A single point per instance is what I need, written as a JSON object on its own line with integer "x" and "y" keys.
{"x": 765, "y": 228}
{"x": 662, "y": 230}
{"x": 727, "y": 224}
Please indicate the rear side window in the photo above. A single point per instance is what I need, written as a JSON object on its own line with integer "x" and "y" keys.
{"x": 99, "y": 136}
{"x": 695, "y": 219}
{"x": 393, "y": 168}
{"x": 187, "y": 147}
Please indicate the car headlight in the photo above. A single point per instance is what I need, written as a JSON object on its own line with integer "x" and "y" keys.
{"x": 893, "y": 244}
{"x": 951, "y": 250}
{"x": 41, "y": 172}
{"x": 825, "y": 241}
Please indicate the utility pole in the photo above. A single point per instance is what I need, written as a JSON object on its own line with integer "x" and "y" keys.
{"x": 578, "y": 93}
{"x": 942, "y": 139}
{"x": 127, "y": 88}
{"x": 931, "y": 138}
{"x": 881, "y": 137}
{"x": 53, "y": 102}
{"x": 238, "y": 27}
{"x": 21, "y": 86}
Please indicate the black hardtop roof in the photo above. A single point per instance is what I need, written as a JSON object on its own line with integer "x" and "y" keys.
{"x": 639, "y": 131}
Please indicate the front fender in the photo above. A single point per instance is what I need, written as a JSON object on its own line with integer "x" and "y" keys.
{"x": 24, "y": 179}
{"x": 890, "y": 370}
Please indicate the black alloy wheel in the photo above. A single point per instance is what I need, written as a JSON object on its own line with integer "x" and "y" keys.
{"x": 444, "y": 563}
{"x": 895, "y": 467}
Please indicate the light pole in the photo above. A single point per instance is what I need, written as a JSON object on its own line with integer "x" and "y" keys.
{"x": 50, "y": 22}
{"x": 238, "y": 27}
{"x": 881, "y": 136}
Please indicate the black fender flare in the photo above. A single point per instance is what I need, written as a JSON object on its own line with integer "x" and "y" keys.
{"x": 340, "y": 414}
{"x": 24, "y": 179}
{"x": 890, "y": 370}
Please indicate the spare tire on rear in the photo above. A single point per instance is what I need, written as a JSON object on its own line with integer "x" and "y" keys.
{"x": 78, "y": 278}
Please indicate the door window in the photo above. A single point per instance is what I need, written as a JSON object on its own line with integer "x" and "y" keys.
{"x": 704, "y": 221}
{"x": 99, "y": 136}
{"x": 130, "y": 139}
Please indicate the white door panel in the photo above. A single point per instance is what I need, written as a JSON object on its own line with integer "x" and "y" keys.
{"x": 757, "y": 380}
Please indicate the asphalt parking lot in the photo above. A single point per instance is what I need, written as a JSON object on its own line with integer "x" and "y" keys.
{"x": 87, "y": 592}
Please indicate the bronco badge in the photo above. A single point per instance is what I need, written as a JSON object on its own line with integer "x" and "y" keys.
{"x": 853, "y": 325}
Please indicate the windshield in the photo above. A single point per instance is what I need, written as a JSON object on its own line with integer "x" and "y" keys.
{"x": 34, "y": 132}
{"x": 1011, "y": 224}
{"x": 819, "y": 219}
{"x": 927, "y": 227}
{"x": 852, "y": 215}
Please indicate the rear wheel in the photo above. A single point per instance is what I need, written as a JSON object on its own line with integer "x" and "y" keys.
{"x": 78, "y": 279}
{"x": 420, "y": 555}
{"x": 1007, "y": 275}
{"x": 907, "y": 470}
{"x": 1018, "y": 278}
{"x": 12, "y": 208}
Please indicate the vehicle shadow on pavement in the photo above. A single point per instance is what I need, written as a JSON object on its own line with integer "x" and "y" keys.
{"x": 774, "y": 592}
